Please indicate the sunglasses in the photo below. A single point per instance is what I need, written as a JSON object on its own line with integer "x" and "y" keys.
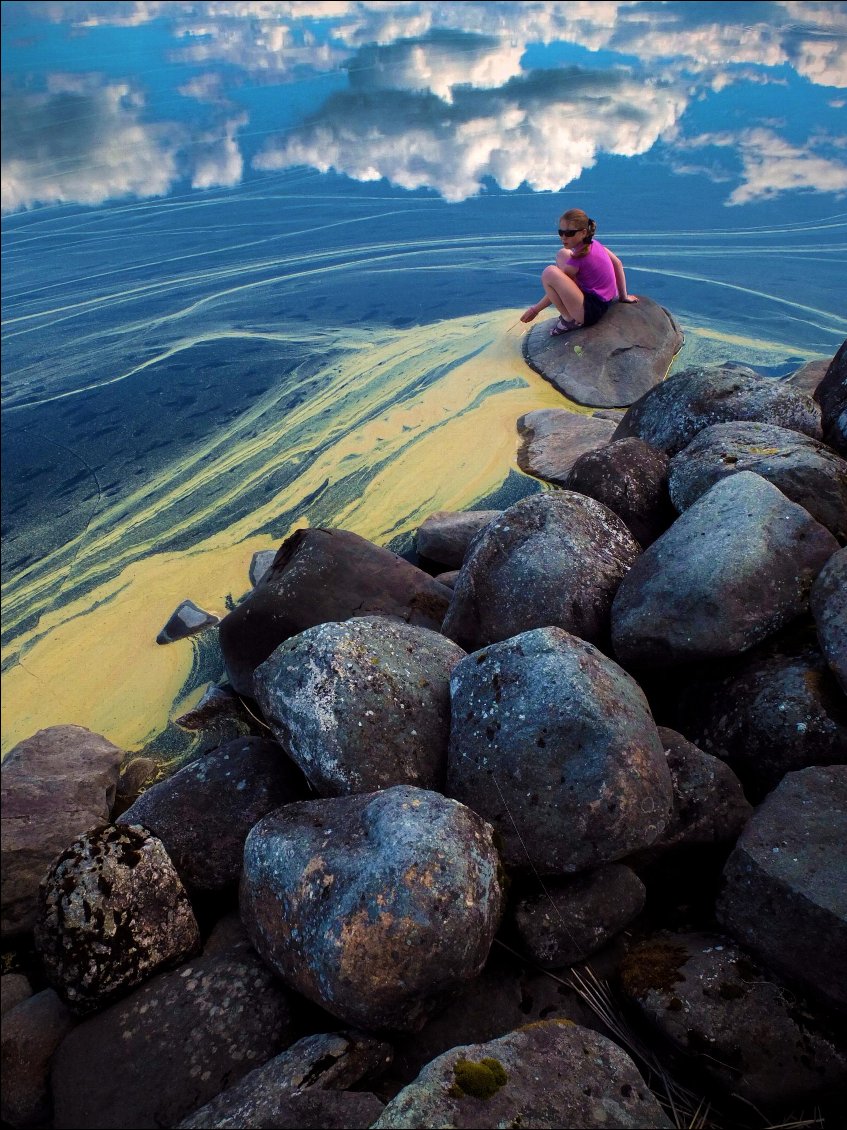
{"x": 568, "y": 231}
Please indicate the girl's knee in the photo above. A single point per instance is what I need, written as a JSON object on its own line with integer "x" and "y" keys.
{"x": 551, "y": 274}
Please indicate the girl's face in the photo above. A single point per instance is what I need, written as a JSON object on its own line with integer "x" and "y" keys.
{"x": 570, "y": 236}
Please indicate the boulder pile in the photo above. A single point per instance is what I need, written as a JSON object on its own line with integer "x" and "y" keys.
{"x": 556, "y": 841}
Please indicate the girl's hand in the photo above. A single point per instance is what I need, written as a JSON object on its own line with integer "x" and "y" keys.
{"x": 529, "y": 314}
{"x": 630, "y": 298}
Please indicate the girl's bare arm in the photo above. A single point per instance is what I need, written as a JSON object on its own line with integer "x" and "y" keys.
{"x": 620, "y": 279}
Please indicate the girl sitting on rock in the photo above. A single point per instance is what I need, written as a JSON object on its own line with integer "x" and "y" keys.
{"x": 585, "y": 279}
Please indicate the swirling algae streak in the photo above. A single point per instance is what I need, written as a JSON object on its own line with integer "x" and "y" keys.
{"x": 407, "y": 423}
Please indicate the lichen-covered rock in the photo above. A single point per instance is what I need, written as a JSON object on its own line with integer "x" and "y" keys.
{"x": 31, "y": 1033}
{"x": 569, "y": 919}
{"x": 784, "y": 895}
{"x": 805, "y": 470}
{"x": 555, "y": 745}
{"x": 721, "y": 1009}
{"x": 171, "y": 1046}
{"x": 186, "y": 620}
{"x": 56, "y": 785}
{"x": 546, "y": 1075}
{"x": 202, "y": 814}
{"x": 550, "y": 559}
{"x": 831, "y": 394}
{"x": 734, "y": 568}
{"x": 609, "y": 364}
{"x": 776, "y": 710}
{"x": 375, "y": 905}
{"x": 828, "y": 602}
{"x": 552, "y": 439}
{"x": 14, "y": 988}
{"x": 444, "y": 536}
{"x": 670, "y": 415}
{"x": 334, "y": 1061}
{"x": 362, "y": 705}
{"x": 319, "y": 576}
{"x": 631, "y": 478}
{"x": 112, "y": 911}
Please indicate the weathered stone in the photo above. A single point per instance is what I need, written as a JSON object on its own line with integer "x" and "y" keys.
{"x": 112, "y": 912}
{"x": 134, "y": 776}
{"x": 741, "y": 1029}
{"x": 14, "y": 988}
{"x": 319, "y": 576}
{"x": 376, "y": 905}
{"x": 334, "y": 1061}
{"x": 260, "y": 562}
{"x": 831, "y": 394}
{"x": 612, "y": 363}
{"x": 202, "y": 814}
{"x": 550, "y": 559}
{"x": 670, "y": 415}
{"x": 828, "y": 602}
{"x": 570, "y": 919}
{"x": 56, "y": 785}
{"x": 186, "y": 620}
{"x": 631, "y": 478}
{"x": 362, "y": 705}
{"x": 809, "y": 376}
{"x": 779, "y": 709}
{"x": 444, "y": 536}
{"x": 784, "y": 893}
{"x": 449, "y": 578}
{"x": 552, "y": 439}
{"x": 554, "y": 744}
{"x": 171, "y": 1046}
{"x": 546, "y": 1075}
{"x": 734, "y": 568}
{"x": 219, "y": 707}
{"x": 709, "y": 805}
{"x": 805, "y": 470}
{"x": 31, "y": 1033}
{"x": 330, "y": 1110}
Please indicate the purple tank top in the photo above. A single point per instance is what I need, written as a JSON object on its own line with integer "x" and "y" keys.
{"x": 595, "y": 272}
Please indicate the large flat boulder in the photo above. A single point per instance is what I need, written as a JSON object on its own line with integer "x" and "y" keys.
{"x": 610, "y": 364}
{"x": 552, "y": 439}
{"x": 784, "y": 895}
{"x": 831, "y": 394}
{"x": 56, "y": 785}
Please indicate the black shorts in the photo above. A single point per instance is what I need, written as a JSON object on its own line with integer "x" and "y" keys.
{"x": 595, "y": 307}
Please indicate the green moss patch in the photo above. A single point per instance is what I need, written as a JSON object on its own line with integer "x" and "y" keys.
{"x": 479, "y": 1080}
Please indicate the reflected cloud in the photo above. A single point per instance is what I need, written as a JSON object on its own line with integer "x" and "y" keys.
{"x": 542, "y": 130}
{"x": 217, "y": 160}
{"x": 82, "y": 141}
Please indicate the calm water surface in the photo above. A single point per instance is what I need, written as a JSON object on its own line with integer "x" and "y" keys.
{"x": 262, "y": 264}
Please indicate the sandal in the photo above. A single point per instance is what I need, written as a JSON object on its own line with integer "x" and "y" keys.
{"x": 564, "y": 326}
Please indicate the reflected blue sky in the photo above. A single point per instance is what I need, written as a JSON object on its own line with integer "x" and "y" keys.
{"x": 211, "y": 210}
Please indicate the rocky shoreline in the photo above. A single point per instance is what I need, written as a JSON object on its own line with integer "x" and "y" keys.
{"x": 545, "y": 829}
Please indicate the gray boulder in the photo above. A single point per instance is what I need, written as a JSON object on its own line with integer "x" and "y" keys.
{"x": 112, "y": 911}
{"x": 376, "y": 906}
{"x": 551, "y": 559}
{"x": 186, "y": 620}
{"x": 202, "y": 814}
{"x": 631, "y": 478}
{"x": 444, "y": 536}
{"x": 260, "y": 562}
{"x": 547, "y": 1075}
{"x": 170, "y": 1047}
{"x": 670, "y": 415}
{"x": 362, "y": 705}
{"x": 809, "y": 376}
{"x": 734, "y": 568}
{"x": 554, "y": 744}
{"x": 319, "y": 576}
{"x": 31, "y": 1033}
{"x": 777, "y": 710}
{"x": 784, "y": 895}
{"x": 14, "y": 988}
{"x": 828, "y": 602}
{"x": 831, "y": 395}
{"x": 552, "y": 439}
{"x": 612, "y": 363}
{"x": 805, "y": 470}
{"x": 55, "y": 785}
{"x": 570, "y": 919}
{"x": 334, "y": 1061}
{"x": 727, "y": 1015}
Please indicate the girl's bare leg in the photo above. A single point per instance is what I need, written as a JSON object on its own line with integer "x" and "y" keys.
{"x": 564, "y": 294}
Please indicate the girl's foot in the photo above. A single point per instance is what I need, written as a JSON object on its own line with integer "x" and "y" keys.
{"x": 564, "y": 326}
